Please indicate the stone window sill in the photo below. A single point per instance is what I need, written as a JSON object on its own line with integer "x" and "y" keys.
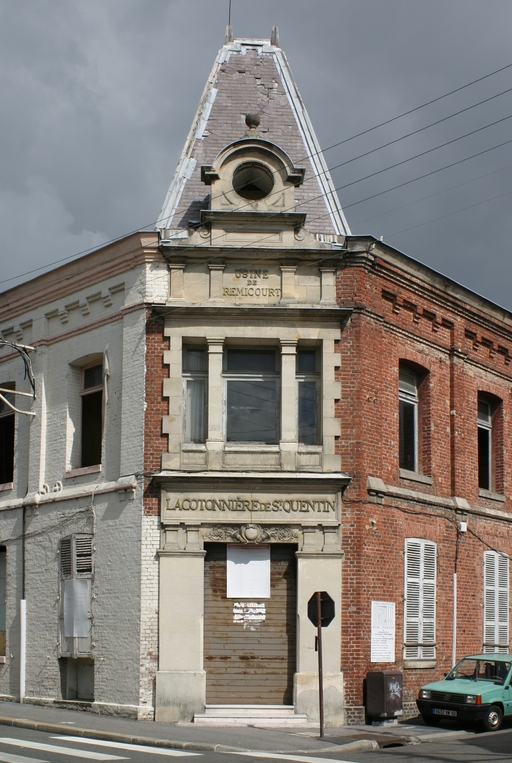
{"x": 193, "y": 446}
{"x": 2, "y": 660}
{"x": 82, "y": 471}
{"x": 6, "y": 486}
{"x": 405, "y": 474}
{"x": 419, "y": 664}
{"x": 491, "y": 496}
{"x": 249, "y": 447}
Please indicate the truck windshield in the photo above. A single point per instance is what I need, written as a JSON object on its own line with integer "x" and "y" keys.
{"x": 481, "y": 670}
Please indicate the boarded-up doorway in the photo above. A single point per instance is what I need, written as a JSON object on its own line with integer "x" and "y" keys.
{"x": 249, "y": 645}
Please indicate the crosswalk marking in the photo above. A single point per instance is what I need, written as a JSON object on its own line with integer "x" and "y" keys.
{"x": 6, "y": 757}
{"x": 126, "y": 746}
{"x": 61, "y": 750}
{"x": 296, "y": 758}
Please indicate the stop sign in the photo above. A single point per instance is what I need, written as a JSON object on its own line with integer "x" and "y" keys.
{"x": 326, "y": 609}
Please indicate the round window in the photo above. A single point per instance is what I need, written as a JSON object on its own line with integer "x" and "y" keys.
{"x": 253, "y": 181}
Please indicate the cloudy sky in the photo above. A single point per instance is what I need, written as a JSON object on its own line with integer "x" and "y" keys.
{"x": 97, "y": 97}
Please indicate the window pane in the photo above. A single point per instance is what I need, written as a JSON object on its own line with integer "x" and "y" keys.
{"x": 484, "y": 412}
{"x": 308, "y": 412}
{"x": 253, "y": 413}
{"x": 484, "y": 458}
{"x": 256, "y": 361}
{"x": 194, "y": 359}
{"x": 407, "y": 436}
{"x": 306, "y": 361}
{"x": 195, "y": 410}
{"x": 91, "y": 428}
{"x": 4, "y": 408}
{"x": 408, "y": 382}
{"x": 6, "y": 448}
{"x": 93, "y": 376}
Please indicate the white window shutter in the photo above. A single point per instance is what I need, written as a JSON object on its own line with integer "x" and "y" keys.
{"x": 496, "y": 602}
{"x": 75, "y": 563}
{"x": 420, "y": 599}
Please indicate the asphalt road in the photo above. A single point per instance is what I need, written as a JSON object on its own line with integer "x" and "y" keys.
{"x": 28, "y": 746}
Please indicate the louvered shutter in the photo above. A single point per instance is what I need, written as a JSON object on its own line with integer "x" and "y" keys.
{"x": 496, "y": 602}
{"x": 420, "y": 599}
{"x": 75, "y": 563}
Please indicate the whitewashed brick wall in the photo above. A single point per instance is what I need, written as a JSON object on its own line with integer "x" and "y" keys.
{"x": 149, "y": 615}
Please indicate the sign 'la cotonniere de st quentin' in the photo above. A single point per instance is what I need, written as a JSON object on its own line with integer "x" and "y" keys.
{"x": 319, "y": 508}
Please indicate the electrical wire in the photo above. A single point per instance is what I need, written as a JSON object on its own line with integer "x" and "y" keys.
{"x": 432, "y": 195}
{"x": 450, "y": 214}
{"x": 334, "y": 145}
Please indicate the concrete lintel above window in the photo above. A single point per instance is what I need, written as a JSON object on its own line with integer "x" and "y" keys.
{"x": 405, "y": 474}
{"x": 491, "y": 496}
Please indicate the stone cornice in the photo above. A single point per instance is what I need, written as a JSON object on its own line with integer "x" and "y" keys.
{"x": 432, "y": 285}
{"x": 104, "y": 263}
{"x": 279, "y": 312}
{"x": 378, "y": 492}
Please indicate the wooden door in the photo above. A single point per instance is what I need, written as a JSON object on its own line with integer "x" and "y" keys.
{"x": 249, "y": 646}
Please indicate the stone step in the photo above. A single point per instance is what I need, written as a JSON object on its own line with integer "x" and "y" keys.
{"x": 250, "y": 715}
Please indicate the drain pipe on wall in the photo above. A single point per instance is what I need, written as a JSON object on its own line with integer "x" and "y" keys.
{"x": 461, "y": 528}
{"x": 23, "y": 612}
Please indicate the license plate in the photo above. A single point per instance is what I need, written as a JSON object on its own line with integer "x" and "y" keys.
{"x": 442, "y": 711}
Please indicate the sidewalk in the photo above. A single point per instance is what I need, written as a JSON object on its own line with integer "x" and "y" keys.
{"x": 57, "y": 720}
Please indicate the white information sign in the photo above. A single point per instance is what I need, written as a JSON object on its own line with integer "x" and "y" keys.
{"x": 76, "y": 605}
{"x": 383, "y": 632}
{"x": 248, "y": 572}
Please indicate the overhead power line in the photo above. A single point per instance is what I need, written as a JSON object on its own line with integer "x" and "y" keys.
{"x": 450, "y": 214}
{"x": 334, "y": 145}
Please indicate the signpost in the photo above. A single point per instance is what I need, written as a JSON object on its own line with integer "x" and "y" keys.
{"x": 321, "y": 613}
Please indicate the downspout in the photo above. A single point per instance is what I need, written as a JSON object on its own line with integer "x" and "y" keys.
{"x": 23, "y": 611}
{"x": 454, "y": 624}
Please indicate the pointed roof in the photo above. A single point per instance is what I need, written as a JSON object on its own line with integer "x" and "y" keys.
{"x": 252, "y": 76}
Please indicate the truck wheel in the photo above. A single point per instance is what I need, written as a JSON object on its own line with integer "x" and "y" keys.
{"x": 493, "y": 719}
{"x": 431, "y": 720}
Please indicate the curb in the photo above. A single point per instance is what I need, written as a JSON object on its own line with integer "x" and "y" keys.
{"x": 56, "y": 728}
{"x": 362, "y": 744}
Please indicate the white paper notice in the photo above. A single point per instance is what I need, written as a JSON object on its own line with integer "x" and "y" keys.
{"x": 248, "y": 572}
{"x": 383, "y": 631}
{"x": 76, "y": 605}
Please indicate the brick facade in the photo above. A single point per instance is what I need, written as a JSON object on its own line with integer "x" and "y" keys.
{"x": 462, "y": 348}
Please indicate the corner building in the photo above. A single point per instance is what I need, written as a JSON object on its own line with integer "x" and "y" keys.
{"x": 329, "y": 404}
{"x": 249, "y": 482}
{"x": 235, "y": 411}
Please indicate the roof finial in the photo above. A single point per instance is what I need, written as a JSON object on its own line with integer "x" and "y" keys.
{"x": 229, "y": 34}
{"x": 274, "y": 38}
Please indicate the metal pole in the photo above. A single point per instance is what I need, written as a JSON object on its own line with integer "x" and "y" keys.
{"x": 320, "y": 665}
{"x": 23, "y": 612}
{"x": 454, "y": 624}
{"x": 23, "y": 646}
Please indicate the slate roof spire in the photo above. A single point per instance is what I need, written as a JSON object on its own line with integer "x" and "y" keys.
{"x": 252, "y": 76}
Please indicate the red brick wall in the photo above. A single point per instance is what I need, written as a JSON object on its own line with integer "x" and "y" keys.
{"x": 155, "y": 443}
{"x": 397, "y": 317}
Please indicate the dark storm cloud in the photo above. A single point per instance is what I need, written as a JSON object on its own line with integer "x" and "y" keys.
{"x": 97, "y": 99}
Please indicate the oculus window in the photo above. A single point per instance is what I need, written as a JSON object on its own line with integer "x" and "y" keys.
{"x": 252, "y": 379}
{"x": 253, "y": 181}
